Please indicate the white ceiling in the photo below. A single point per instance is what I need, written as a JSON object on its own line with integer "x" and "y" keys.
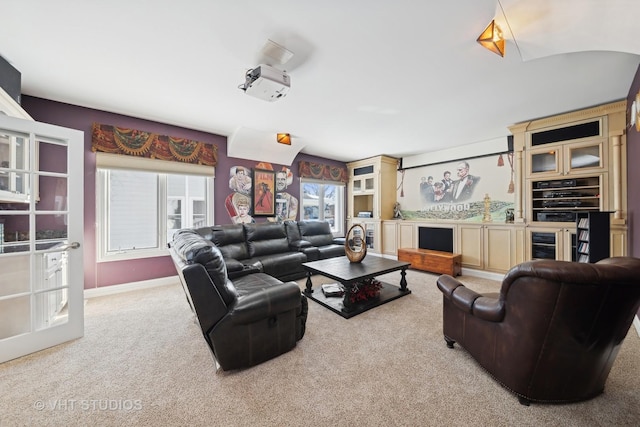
{"x": 368, "y": 77}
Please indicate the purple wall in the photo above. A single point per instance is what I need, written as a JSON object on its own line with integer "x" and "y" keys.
{"x": 633, "y": 155}
{"x": 117, "y": 272}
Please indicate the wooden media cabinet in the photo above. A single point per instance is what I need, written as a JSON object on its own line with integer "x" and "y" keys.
{"x": 432, "y": 261}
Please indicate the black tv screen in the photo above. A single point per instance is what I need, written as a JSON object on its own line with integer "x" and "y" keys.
{"x": 435, "y": 238}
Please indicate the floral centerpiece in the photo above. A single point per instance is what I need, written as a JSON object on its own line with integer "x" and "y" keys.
{"x": 367, "y": 289}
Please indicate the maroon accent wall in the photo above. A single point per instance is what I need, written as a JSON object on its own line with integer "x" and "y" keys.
{"x": 81, "y": 118}
{"x": 633, "y": 158}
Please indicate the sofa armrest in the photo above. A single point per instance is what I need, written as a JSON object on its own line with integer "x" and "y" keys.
{"x": 484, "y": 307}
{"x": 299, "y": 245}
{"x": 246, "y": 269}
{"x": 266, "y": 302}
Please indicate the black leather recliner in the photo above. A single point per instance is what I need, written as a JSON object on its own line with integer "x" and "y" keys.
{"x": 555, "y": 329}
{"x": 246, "y": 321}
{"x": 318, "y": 234}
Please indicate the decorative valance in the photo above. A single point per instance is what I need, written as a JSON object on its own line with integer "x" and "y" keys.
{"x": 321, "y": 171}
{"x": 131, "y": 142}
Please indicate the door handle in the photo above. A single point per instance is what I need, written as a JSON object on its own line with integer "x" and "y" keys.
{"x": 68, "y": 246}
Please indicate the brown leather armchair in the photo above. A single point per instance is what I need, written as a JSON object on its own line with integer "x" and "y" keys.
{"x": 554, "y": 330}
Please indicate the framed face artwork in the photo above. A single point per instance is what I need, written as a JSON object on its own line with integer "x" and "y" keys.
{"x": 263, "y": 192}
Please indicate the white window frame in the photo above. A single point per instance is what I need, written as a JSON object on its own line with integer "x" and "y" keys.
{"x": 105, "y": 161}
{"x": 338, "y": 229}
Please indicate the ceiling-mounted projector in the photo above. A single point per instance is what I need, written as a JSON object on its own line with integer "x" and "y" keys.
{"x": 267, "y": 83}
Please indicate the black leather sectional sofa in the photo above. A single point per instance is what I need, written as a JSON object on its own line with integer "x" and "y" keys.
{"x": 237, "y": 280}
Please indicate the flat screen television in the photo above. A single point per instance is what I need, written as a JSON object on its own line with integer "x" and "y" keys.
{"x": 435, "y": 238}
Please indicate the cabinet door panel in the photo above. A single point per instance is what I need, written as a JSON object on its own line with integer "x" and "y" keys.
{"x": 470, "y": 246}
{"x": 498, "y": 249}
{"x": 407, "y": 233}
{"x": 389, "y": 238}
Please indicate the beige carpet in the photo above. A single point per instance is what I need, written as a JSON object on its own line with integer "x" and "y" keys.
{"x": 143, "y": 361}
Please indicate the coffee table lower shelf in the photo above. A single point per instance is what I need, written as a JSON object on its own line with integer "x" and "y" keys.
{"x": 387, "y": 293}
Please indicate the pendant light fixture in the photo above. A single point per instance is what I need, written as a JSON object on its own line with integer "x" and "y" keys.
{"x": 284, "y": 138}
{"x": 492, "y": 38}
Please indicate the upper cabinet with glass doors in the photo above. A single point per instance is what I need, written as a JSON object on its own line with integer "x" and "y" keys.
{"x": 15, "y": 155}
{"x": 575, "y": 149}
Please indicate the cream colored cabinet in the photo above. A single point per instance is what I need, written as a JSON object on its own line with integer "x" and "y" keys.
{"x": 618, "y": 241}
{"x": 499, "y": 248}
{"x": 489, "y": 247}
{"x": 470, "y": 245}
{"x": 407, "y": 235}
{"x": 573, "y": 163}
{"x": 390, "y": 238}
{"x": 372, "y": 194}
{"x": 372, "y": 187}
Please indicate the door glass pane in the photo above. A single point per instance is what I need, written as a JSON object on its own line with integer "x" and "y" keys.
{"x": 585, "y": 157}
{"x": 50, "y": 308}
{"x": 53, "y": 194}
{"x": 15, "y": 274}
{"x": 51, "y": 269}
{"x": 15, "y": 316}
{"x": 14, "y": 233}
{"x": 52, "y": 157}
{"x": 543, "y": 162}
{"x": 14, "y": 206}
{"x": 16, "y": 183}
{"x": 368, "y": 184}
{"x": 369, "y": 233}
{"x": 133, "y": 206}
{"x": 51, "y": 230}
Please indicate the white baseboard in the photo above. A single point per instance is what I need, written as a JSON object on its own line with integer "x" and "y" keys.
{"x": 636, "y": 323}
{"x": 127, "y": 287}
{"x": 482, "y": 274}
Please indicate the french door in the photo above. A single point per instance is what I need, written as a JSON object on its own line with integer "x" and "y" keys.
{"x": 41, "y": 236}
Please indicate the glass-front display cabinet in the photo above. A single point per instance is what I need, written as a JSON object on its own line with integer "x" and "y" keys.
{"x": 587, "y": 157}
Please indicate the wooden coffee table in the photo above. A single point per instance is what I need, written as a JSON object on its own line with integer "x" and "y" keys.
{"x": 349, "y": 274}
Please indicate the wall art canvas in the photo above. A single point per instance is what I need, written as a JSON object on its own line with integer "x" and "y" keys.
{"x": 263, "y": 192}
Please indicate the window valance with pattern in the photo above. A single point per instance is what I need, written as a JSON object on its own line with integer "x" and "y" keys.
{"x": 322, "y": 171}
{"x": 116, "y": 140}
